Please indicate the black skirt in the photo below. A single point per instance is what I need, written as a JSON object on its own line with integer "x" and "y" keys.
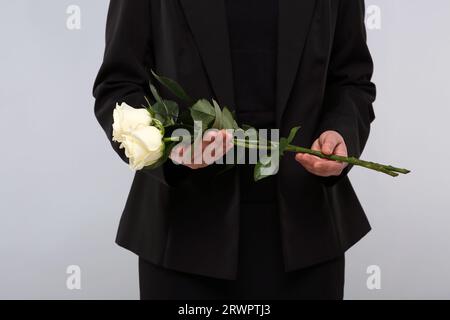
{"x": 261, "y": 272}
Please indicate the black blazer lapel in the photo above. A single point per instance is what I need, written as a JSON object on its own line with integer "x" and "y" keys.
{"x": 295, "y": 18}
{"x": 208, "y": 23}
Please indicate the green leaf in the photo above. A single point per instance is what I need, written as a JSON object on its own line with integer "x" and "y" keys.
{"x": 173, "y": 87}
{"x": 283, "y": 145}
{"x": 148, "y": 102}
{"x": 218, "y": 123}
{"x": 292, "y": 134}
{"x": 265, "y": 165}
{"x": 228, "y": 119}
{"x": 204, "y": 112}
{"x": 285, "y": 142}
{"x": 173, "y": 109}
{"x": 166, "y": 111}
{"x": 155, "y": 93}
{"x": 247, "y": 127}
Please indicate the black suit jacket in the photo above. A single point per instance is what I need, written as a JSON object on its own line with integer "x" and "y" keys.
{"x": 188, "y": 220}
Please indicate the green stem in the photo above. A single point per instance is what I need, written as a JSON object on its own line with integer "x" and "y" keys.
{"x": 254, "y": 144}
{"x": 172, "y": 139}
{"x": 387, "y": 169}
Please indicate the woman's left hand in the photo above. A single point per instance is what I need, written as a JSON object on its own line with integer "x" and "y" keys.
{"x": 329, "y": 142}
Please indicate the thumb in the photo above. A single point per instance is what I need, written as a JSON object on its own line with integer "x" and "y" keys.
{"x": 328, "y": 143}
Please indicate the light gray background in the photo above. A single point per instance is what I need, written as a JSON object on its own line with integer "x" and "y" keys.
{"x": 63, "y": 188}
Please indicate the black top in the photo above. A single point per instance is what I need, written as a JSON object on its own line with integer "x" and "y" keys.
{"x": 252, "y": 26}
{"x": 321, "y": 216}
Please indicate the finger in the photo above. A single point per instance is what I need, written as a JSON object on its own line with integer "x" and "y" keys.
{"x": 211, "y": 148}
{"x": 328, "y": 143}
{"x": 307, "y": 161}
{"x": 321, "y": 167}
{"x": 210, "y": 135}
{"x": 223, "y": 142}
{"x": 228, "y": 140}
{"x": 328, "y": 168}
{"x": 316, "y": 165}
{"x": 193, "y": 160}
{"x": 196, "y": 166}
{"x": 199, "y": 146}
{"x": 188, "y": 156}
{"x": 177, "y": 154}
{"x": 341, "y": 149}
{"x": 324, "y": 167}
{"x": 217, "y": 145}
{"x": 316, "y": 145}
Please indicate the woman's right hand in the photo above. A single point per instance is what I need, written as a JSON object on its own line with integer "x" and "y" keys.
{"x": 215, "y": 144}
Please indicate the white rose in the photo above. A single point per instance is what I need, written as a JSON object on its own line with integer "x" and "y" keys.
{"x": 143, "y": 147}
{"x": 128, "y": 119}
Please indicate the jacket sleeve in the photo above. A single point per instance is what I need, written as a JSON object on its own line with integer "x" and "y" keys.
{"x": 124, "y": 74}
{"x": 349, "y": 91}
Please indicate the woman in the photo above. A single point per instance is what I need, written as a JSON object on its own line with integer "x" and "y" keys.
{"x": 277, "y": 64}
